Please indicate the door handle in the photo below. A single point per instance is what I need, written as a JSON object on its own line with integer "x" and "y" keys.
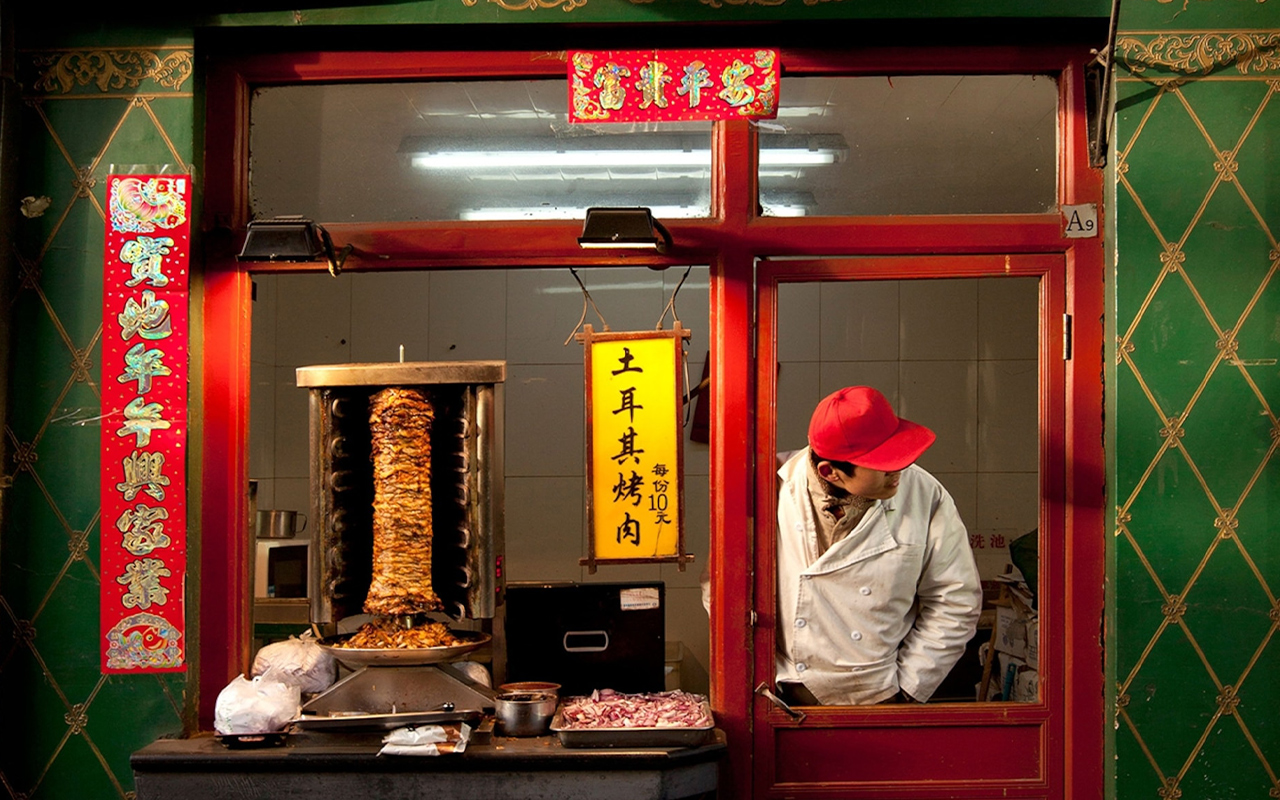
{"x": 763, "y": 691}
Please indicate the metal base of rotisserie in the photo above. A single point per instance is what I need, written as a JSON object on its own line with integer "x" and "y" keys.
{"x": 380, "y": 697}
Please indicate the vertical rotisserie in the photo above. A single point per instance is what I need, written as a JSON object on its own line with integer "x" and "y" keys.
{"x": 400, "y": 432}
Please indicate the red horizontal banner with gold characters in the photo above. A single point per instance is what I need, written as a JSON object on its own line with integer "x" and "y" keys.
{"x": 144, "y": 422}
{"x": 672, "y": 85}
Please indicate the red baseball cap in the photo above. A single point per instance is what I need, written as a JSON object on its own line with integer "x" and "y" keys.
{"x": 857, "y": 424}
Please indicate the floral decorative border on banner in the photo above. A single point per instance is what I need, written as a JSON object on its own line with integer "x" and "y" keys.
{"x": 672, "y": 85}
{"x": 144, "y": 424}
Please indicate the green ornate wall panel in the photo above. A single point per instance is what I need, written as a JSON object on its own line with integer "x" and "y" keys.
{"x": 1197, "y": 392}
{"x": 84, "y": 111}
{"x": 116, "y": 25}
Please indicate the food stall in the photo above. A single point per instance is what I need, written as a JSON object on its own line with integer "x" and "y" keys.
{"x": 406, "y": 539}
{"x": 769, "y": 745}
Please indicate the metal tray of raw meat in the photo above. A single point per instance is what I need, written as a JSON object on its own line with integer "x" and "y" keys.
{"x": 665, "y": 736}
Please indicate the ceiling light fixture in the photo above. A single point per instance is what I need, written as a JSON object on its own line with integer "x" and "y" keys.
{"x": 648, "y": 151}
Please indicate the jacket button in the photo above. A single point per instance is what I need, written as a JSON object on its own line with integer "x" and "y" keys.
{"x": 856, "y": 636}
{"x": 865, "y": 590}
{"x": 800, "y": 623}
{"x": 801, "y": 667}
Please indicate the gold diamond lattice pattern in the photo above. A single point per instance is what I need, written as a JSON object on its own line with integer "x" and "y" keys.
{"x": 71, "y": 728}
{"x": 1197, "y": 380}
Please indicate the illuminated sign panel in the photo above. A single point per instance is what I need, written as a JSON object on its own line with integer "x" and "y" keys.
{"x": 635, "y": 446}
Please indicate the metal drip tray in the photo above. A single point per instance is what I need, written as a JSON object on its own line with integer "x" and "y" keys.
{"x": 405, "y": 656}
{"x": 382, "y": 698}
{"x": 346, "y": 722}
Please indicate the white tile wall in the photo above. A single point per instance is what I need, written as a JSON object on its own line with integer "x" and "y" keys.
{"x": 467, "y": 320}
{"x": 629, "y": 298}
{"x": 1008, "y": 317}
{"x": 939, "y": 320}
{"x": 389, "y": 310}
{"x": 313, "y": 319}
{"x": 859, "y": 321}
{"x": 544, "y": 528}
{"x": 1007, "y": 501}
{"x": 798, "y": 392}
{"x": 543, "y": 306}
{"x": 1008, "y": 416}
{"x": 835, "y": 375}
{"x": 544, "y": 419}
{"x": 292, "y": 437}
{"x": 263, "y": 347}
{"x": 799, "y": 337}
{"x": 943, "y": 395}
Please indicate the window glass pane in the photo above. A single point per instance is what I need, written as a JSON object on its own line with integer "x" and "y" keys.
{"x": 975, "y": 144}
{"x": 462, "y": 150}
{"x": 960, "y": 356}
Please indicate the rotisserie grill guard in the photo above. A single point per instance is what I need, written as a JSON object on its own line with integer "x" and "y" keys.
{"x": 466, "y": 482}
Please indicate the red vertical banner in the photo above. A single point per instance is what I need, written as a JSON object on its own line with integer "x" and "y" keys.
{"x": 146, "y": 261}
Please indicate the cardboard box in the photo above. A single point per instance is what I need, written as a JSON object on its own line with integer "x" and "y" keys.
{"x": 1026, "y": 685}
{"x": 1011, "y": 632}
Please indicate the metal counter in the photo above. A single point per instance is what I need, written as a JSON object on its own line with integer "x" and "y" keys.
{"x": 320, "y": 766}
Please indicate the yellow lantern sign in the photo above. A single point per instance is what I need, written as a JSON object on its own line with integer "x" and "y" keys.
{"x": 635, "y": 446}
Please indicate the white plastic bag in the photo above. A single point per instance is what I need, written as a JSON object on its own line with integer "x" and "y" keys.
{"x": 265, "y": 704}
{"x": 300, "y": 661}
{"x": 430, "y": 740}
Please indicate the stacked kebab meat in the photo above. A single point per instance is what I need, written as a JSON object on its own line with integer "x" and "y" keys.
{"x": 400, "y": 432}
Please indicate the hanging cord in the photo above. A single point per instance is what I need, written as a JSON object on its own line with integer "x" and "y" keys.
{"x": 586, "y": 300}
{"x": 688, "y": 396}
{"x": 684, "y": 349}
{"x": 671, "y": 304}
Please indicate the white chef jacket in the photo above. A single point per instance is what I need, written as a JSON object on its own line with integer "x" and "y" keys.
{"x": 891, "y": 606}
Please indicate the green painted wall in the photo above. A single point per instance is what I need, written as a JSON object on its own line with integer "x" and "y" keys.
{"x": 1194, "y": 393}
{"x": 1191, "y": 389}
{"x": 72, "y": 727}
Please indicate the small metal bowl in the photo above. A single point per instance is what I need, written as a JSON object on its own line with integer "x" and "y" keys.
{"x": 524, "y": 713}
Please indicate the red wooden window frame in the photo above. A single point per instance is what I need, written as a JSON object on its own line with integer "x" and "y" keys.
{"x": 729, "y": 241}
{"x": 998, "y": 748}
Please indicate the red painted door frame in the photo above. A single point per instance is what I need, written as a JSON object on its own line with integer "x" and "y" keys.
{"x": 938, "y": 750}
{"x": 730, "y": 241}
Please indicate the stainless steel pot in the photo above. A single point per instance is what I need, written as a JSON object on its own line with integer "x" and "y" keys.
{"x": 279, "y": 524}
{"x": 524, "y": 713}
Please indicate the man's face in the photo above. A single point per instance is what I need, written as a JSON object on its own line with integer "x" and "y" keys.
{"x": 864, "y": 482}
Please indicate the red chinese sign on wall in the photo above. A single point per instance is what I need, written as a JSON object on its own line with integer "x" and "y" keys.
{"x": 672, "y": 85}
{"x": 144, "y": 422}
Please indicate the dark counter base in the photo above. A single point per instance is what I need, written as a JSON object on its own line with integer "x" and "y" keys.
{"x": 320, "y": 766}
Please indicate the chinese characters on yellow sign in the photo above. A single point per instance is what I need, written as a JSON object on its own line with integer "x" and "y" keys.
{"x": 635, "y": 446}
